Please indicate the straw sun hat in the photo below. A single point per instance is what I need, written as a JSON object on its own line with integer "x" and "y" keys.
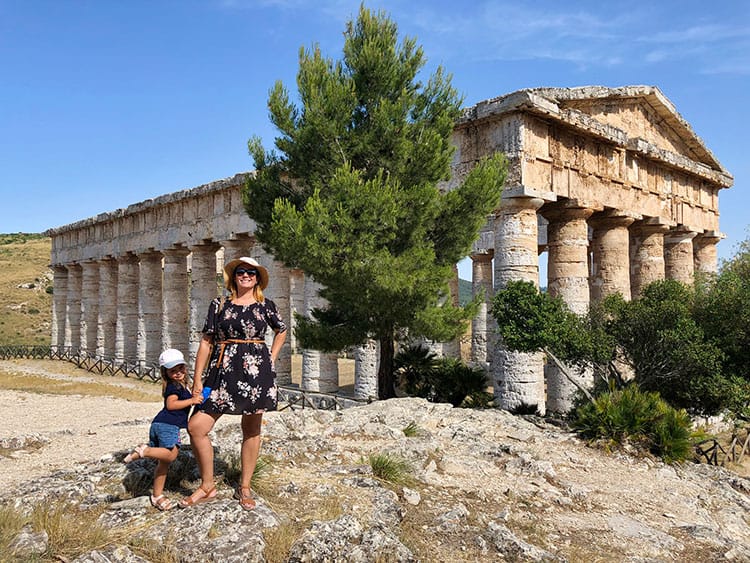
{"x": 232, "y": 264}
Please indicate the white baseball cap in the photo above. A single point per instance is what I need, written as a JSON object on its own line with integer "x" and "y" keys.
{"x": 170, "y": 358}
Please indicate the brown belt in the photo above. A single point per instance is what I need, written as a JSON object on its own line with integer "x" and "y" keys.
{"x": 222, "y": 344}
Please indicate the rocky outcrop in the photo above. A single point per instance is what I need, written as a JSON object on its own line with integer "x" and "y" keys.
{"x": 482, "y": 485}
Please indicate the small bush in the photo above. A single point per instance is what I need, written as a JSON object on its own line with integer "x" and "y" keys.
{"x": 638, "y": 417}
{"x": 441, "y": 380}
{"x": 412, "y": 430}
{"x": 390, "y": 468}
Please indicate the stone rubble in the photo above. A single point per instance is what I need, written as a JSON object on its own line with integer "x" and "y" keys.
{"x": 484, "y": 485}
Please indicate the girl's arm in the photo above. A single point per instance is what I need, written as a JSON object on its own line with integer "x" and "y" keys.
{"x": 175, "y": 404}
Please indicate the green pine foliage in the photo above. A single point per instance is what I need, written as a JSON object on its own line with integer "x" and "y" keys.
{"x": 350, "y": 195}
{"x": 639, "y": 418}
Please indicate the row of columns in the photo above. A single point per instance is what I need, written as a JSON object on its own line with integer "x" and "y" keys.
{"x": 621, "y": 255}
{"x": 129, "y": 308}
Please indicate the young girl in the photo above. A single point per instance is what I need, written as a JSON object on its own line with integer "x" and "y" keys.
{"x": 164, "y": 435}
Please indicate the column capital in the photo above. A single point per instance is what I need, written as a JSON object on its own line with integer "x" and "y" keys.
{"x": 564, "y": 211}
{"x": 520, "y": 203}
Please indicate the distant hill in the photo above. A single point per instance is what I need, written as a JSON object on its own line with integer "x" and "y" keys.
{"x": 464, "y": 291}
{"x": 25, "y": 289}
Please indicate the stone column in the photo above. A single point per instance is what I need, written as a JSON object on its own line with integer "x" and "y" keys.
{"x": 149, "y": 307}
{"x": 518, "y": 377}
{"x": 296, "y": 305}
{"x": 452, "y": 349}
{"x": 175, "y": 297}
{"x": 126, "y": 328}
{"x": 483, "y": 325}
{"x": 241, "y": 245}
{"x": 278, "y": 292}
{"x": 610, "y": 250}
{"x": 319, "y": 369}
{"x": 59, "y": 298}
{"x": 73, "y": 309}
{"x": 567, "y": 278}
{"x": 107, "y": 323}
{"x": 647, "y": 255}
{"x": 366, "y": 370}
{"x": 678, "y": 255}
{"x": 705, "y": 258}
{"x": 89, "y": 307}
{"x": 203, "y": 289}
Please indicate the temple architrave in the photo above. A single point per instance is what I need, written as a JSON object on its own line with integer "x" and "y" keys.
{"x": 611, "y": 183}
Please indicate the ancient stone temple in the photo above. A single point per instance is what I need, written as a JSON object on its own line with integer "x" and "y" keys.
{"x": 611, "y": 183}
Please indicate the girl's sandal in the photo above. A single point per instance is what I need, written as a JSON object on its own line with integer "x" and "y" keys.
{"x": 161, "y": 502}
{"x": 137, "y": 453}
{"x": 246, "y": 499}
{"x": 207, "y": 495}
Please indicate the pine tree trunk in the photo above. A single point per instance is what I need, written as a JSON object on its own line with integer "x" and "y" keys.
{"x": 386, "y": 382}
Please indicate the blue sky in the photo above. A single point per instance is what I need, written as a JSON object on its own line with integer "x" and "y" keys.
{"x": 104, "y": 103}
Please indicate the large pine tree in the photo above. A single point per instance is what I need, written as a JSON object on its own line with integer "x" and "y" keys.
{"x": 351, "y": 196}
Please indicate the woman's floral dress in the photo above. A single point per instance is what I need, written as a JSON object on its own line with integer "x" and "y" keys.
{"x": 245, "y": 381}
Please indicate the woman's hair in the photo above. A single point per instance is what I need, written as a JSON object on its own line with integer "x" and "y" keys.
{"x": 257, "y": 291}
{"x": 165, "y": 379}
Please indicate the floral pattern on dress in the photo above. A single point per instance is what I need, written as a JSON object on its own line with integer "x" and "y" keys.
{"x": 244, "y": 381}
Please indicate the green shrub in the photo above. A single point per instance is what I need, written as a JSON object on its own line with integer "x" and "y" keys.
{"x": 441, "y": 380}
{"x": 392, "y": 469}
{"x": 641, "y": 418}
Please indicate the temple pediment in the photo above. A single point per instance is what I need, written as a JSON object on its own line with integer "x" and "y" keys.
{"x": 637, "y": 118}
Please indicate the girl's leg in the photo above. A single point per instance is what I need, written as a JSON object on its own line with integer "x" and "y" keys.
{"x": 199, "y": 426}
{"x": 165, "y": 457}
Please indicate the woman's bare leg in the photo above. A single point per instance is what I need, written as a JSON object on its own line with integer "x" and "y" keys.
{"x": 199, "y": 426}
{"x": 251, "y": 424}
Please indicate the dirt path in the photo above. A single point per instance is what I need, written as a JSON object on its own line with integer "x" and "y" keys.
{"x": 64, "y": 430}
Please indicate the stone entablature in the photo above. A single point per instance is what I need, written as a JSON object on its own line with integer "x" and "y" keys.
{"x": 632, "y": 152}
{"x": 189, "y": 217}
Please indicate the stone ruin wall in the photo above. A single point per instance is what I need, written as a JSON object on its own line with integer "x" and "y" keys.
{"x": 611, "y": 183}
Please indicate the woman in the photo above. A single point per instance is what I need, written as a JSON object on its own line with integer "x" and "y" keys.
{"x": 241, "y": 373}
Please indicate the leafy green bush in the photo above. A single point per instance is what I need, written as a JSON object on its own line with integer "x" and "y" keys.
{"x": 441, "y": 380}
{"x": 641, "y": 418}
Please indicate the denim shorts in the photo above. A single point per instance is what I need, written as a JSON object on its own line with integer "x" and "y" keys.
{"x": 163, "y": 435}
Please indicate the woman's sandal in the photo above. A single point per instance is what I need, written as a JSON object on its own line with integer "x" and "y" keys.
{"x": 207, "y": 495}
{"x": 246, "y": 500}
{"x": 161, "y": 502}
{"x": 137, "y": 453}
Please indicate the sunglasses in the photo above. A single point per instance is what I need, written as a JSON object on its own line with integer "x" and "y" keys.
{"x": 243, "y": 271}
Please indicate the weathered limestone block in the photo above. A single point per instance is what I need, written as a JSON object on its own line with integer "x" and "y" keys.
{"x": 126, "y": 329}
{"x": 73, "y": 308}
{"x": 107, "y": 321}
{"x": 646, "y": 255}
{"x": 149, "y": 307}
{"x": 59, "y": 298}
{"x": 567, "y": 278}
{"x": 203, "y": 289}
{"x": 319, "y": 369}
{"x": 89, "y": 306}
{"x": 174, "y": 332}
{"x": 518, "y": 378}
{"x": 678, "y": 255}
{"x": 704, "y": 252}
{"x": 482, "y": 325}
{"x": 366, "y": 370}
{"x": 610, "y": 249}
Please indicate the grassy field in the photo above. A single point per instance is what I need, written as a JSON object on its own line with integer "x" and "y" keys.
{"x": 25, "y": 289}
